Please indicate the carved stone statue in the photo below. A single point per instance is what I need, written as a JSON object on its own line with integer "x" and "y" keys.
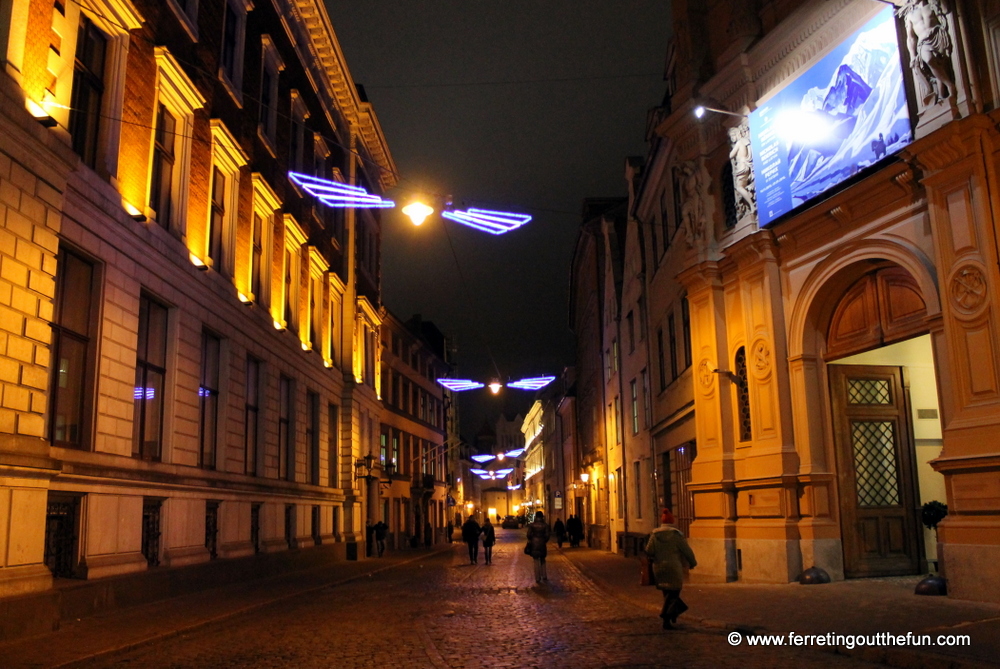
{"x": 741, "y": 156}
{"x": 694, "y": 195}
{"x": 930, "y": 47}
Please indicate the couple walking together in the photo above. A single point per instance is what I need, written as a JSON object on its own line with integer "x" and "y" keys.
{"x": 470, "y": 535}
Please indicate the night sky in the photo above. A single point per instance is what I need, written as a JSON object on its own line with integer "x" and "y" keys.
{"x": 521, "y": 105}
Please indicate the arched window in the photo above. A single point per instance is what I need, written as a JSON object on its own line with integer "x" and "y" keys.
{"x": 728, "y": 195}
{"x": 742, "y": 394}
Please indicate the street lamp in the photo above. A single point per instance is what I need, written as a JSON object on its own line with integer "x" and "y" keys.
{"x": 585, "y": 477}
{"x": 418, "y": 212}
{"x": 699, "y": 111}
{"x": 364, "y": 466}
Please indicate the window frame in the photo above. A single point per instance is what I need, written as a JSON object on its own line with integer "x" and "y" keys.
{"x": 267, "y": 110}
{"x": 233, "y": 81}
{"x": 144, "y": 365}
{"x": 229, "y": 159}
{"x": 265, "y": 205}
{"x": 252, "y": 416}
{"x": 208, "y": 437}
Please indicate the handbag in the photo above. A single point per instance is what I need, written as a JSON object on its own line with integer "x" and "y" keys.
{"x": 527, "y": 548}
{"x": 646, "y": 572}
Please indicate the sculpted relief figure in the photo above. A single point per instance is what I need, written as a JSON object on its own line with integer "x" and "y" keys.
{"x": 930, "y": 47}
{"x": 741, "y": 157}
{"x": 694, "y": 215}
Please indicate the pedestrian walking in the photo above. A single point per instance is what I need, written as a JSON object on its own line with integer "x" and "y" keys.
{"x": 574, "y": 526}
{"x": 560, "y": 529}
{"x": 489, "y": 538}
{"x": 538, "y": 537}
{"x": 451, "y": 531}
{"x": 381, "y": 529}
{"x": 369, "y": 538}
{"x": 670, "y": 553}
{"x": 470, "y": 535}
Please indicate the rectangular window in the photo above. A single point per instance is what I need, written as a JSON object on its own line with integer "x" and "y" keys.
{"x": 607, "y": 364}
{"x": 232, "y": 26}
{"x": 208, "y": 399}
{"x": 315, "y": 311}
{"x": 618, "y": 420}
{"x": 661, "y": 360}
{"x": 635, "y": 406}
{"x": 395, "y": 449}
{"x": 331, "y": 443}
{"x": 150, "y": 374}
{"x": 284, "y": 426}
{"x": 646, "y": 407}
{"x": 383, "y": 447}
{"x": 686, "y": 331}
{"x": 291, "y": 294}
{"x": 217, "y": 219}
{"x": 637, "y": 486}
{"x": 268, "y": 99}
{"x": 257, "y": 252}
{"x": 312, "y": 437}
{"x": 672, "y": 334}
{"x": 88, "y": 90}
{"x": 251, "y": 416}
{"x": 620, "y": 492}
{"x": 615, "y": 355}
{"x": 161, "y": 184}
{"x": 72, "y": 325}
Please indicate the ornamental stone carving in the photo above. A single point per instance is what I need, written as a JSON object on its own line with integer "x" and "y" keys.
{"x": 761, "y": 359}
{"x": 741, "y": 156}
{"x": 968, "y": 288}
{"x": 705, "y": 374}
{"x": 695, "y": 203}
{"x": 929, "y": 43}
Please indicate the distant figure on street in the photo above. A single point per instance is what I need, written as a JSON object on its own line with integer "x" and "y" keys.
{"x": 574, "y": 526}
{"x": 538, "y": 536}
{"x": 489, "y": 538}
{"x": 369, "y": 538}
{"x": 560, "y": 529}
{"x": 428, "y": 535}
{"x": 470, "y": 535}
{"x": 451, "y": 531}
{"x": 670, "y": 553}
{"x": 381, "y": 529}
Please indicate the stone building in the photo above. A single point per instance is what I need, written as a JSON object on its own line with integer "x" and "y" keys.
{"x": 415, "y": 451}
{"x": 844, "y": 361}
{"x": 189, "y": 339}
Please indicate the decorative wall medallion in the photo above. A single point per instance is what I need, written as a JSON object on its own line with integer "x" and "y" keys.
{"x": 968, "y": 288}
{"x": 705, "y": 373}
{"x": 761, "y": 359}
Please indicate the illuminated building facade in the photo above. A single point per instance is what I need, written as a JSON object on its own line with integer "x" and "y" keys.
{"x": 190, "y": 354}
{"x": 839, "y": 289}
{"x": 414, "y": 435}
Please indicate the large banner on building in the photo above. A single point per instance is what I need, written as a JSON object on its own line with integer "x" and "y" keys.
{"x": 843, "y": 114}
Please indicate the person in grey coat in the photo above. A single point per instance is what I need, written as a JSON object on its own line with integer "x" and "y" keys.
{"x": 670, "y": 553}
{"x": 538, "y": 536}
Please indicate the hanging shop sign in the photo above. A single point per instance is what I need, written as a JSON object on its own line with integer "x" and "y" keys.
{"x": 841, "y": 116}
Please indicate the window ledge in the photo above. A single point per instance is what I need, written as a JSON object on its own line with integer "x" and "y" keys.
{"x": 234, "y": 93}
{"x": 190, "y": 27}
{"x": 266, "y": 141}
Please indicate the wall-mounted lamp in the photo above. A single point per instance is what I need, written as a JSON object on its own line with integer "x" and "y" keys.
{"x": 198, "y": 262}
{"x": 245, "y": 299}
{"x": 585, "y": 477}
{"x": 700, "y": 110}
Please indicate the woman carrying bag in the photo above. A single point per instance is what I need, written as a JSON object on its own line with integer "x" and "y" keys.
{"x": 670, "y": 553}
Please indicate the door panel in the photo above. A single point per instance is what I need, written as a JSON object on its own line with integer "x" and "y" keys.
{"x": 875, "y": 471}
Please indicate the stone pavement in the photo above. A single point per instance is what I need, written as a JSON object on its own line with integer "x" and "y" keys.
{"x": 434, "y": 611}
{"x": 857, "y": 606}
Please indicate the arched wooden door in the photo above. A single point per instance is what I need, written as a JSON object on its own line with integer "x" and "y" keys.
{"x": 872, "y": 426}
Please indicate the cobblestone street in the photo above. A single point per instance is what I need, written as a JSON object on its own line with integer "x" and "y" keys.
{"x": 444, "y": 612}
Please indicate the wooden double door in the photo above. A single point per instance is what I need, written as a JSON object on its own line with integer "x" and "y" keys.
{"x": 875, "y": 463}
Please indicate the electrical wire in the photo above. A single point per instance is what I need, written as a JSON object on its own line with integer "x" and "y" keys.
{"x": 514, "y": 82}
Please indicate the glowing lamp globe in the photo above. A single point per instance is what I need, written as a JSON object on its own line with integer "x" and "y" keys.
{"x": 495, "y": 387}
{"x": 699, "y": 111}
{"x": 418, "y": 212}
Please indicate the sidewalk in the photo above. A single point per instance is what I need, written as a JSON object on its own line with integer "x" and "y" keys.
{"x": 858, "y": 606}
{"x": 125, "y": 628}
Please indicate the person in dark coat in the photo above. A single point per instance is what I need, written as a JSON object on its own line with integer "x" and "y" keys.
{"x": 574, "y": 526}
{"x": 560, "y": 529}
{"x": 489, "y": 538}
{"x": 470, "y": 535}
{"x": 670, "y": 553}
{"x": 381, "y": 529}
{"x": 538, "y": 537}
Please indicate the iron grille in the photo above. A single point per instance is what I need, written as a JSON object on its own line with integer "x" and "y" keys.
{"x": 255, "y": 527}
{"x": 868, "y": 391}
{"x": 212, "y": 529}
{"x": 743, "y": 394}
{"x": 875, "y": 463}
{"x": 151, "y": 532}
{"x": 60, "y": 537}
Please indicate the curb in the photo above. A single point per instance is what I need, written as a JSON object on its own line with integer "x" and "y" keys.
{"x": 891, "y": 656}
{"x": 163, "y": 636}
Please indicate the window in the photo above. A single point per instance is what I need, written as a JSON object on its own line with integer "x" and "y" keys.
{"x": 318, "y": 265}
{"x": 618, "y": 420}
{"x": 187, "y": 13}
{"x": 637, "y": 486}
{"x": 395, "y": 449}
{"x": 312, "y": 437}
{"x": 177, "y": 100}
{"x": 661, "y": 361}
{"x": 607, "y": 364}
{"x": 284, "y": 427}
{"x": 295, "y": 238}
{"x": 742, "y": 394}
{"x": 161, "y": 184}
{"x": 268, "y": 110}
{"x": 88, "y": 90}
{"x": 383, "y": 446}
{"x": 646, "y": 407}
{"x": 208, "y": 399}
{"x": 231, "y": 54}
{"x": 265, "y": 204}
{"x": 72, "y": 349}
{"x": 150, "y": 373}
{"x": 686, "y": 331}
{"x": 300, "y": 138}
{"x": 672, "y": 333}
{"x": 620, "y": 492}
{"x": 630, "y": 321}
{"x": 227, "y": 160}
{"x": 635, "y": 406}
{"x": 251, "y": 417}
{"x": 615, "y": 354}
{"x": 331, "y": 443}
